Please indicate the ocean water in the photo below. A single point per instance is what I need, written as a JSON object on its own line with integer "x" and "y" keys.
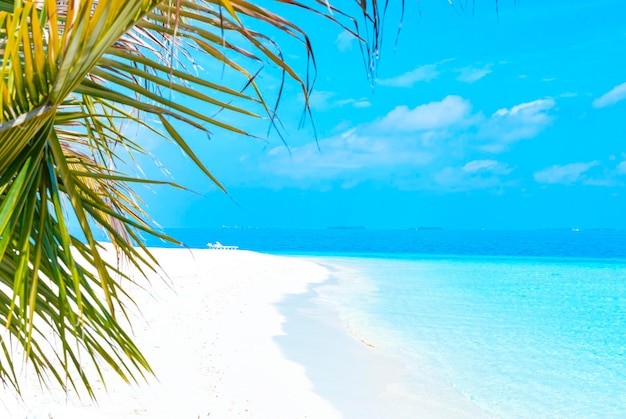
{"x": 400, "y": 243}
{"x": 523, "y": 323}
{"x": 519, "y": 337}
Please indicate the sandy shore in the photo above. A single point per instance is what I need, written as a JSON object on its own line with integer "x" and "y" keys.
{"x": 222, "y": 347}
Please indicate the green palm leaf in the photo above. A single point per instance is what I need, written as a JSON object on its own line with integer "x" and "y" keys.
{"x": 72, "y": 74}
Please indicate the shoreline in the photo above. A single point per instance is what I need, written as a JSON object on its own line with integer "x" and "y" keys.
{"x": 239, "y": 334}
{"x": 362, "y": 379}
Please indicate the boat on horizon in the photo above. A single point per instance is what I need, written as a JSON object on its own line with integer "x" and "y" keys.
{"x": 220, "y": 246}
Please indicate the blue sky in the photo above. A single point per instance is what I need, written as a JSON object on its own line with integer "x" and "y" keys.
{"x": 476, "y": 120}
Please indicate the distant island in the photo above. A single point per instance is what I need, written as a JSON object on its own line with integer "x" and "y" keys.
{"x": 576, "y": 229}
{"x": 346, "y": 228}
{"x": 225, "y": 227}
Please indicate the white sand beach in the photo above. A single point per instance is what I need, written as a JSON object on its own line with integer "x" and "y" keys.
{"x": 214, "y": 336}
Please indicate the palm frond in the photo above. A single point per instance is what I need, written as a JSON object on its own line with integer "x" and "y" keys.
{"x": 73, "y": 74}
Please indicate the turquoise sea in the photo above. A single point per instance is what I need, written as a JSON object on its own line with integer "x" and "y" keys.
{"x": 523, "y": 323}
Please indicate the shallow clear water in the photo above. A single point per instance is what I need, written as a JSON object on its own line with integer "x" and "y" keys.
{"x": 523, "y": 323}
{"x": 519, "y": 337}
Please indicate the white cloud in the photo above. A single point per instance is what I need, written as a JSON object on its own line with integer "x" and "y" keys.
{"x": 410, "y": 148}
{"x": 606, "y": 182}
{"x": 396, "y": 145}
{"x": 472, "y": 74}
{"x": 423, "y": 73}
{"x": 451, "y": 110}
{"x": 357, "y": 103}
{"x": 322, "y": 101}
{"x": 344, "y": 41}
{"x": 362, "y": 103}
{"x": 592, "y": 173}
{"x": 351, "y": 152}
{"x": 476, "y": 174}
{"x": 616, "y": 94}
{"x": 528, "y": 109}
{"x": 427, "y": 73}
{"x": 494, "y": 166}
{"x": 565, "y": 174}
{"x": 522, "y": 121}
